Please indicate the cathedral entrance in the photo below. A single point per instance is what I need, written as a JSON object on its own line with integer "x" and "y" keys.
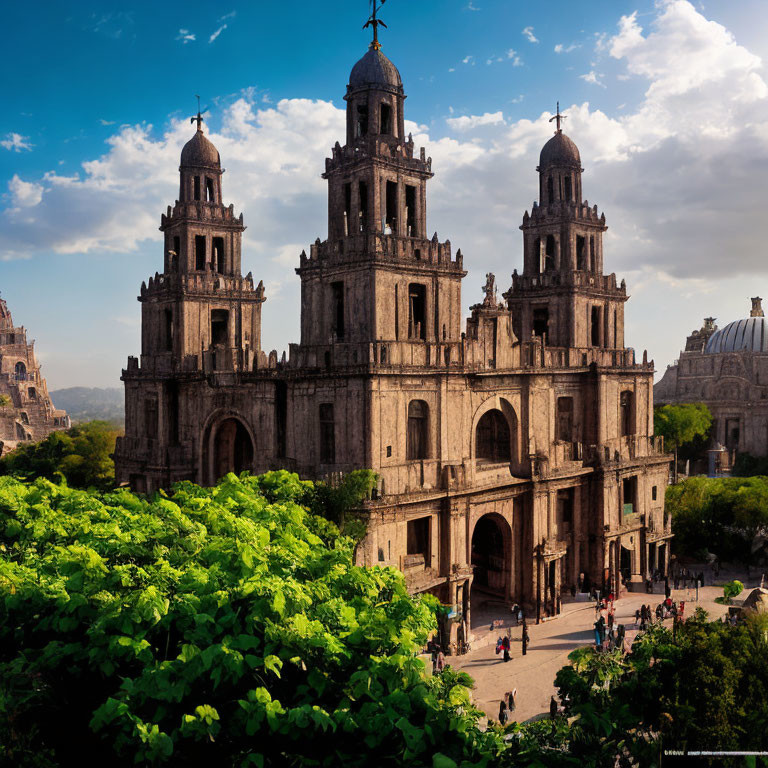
{"x": 491, "y": 563}
{"x": 232, "y": 449}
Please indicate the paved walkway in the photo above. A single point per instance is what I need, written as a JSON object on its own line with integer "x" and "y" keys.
{"x": 533, "y": 674}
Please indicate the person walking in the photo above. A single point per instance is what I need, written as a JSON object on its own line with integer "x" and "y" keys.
{"x": 526, "y": 637}
{"x": 503, "y": 713}
{"x": 552, "y": 708}
{"x": 440, "y": 662}
{"x": 505, "y": 647}
{"x": 610, "y": 622}
{"x": 512, "y": 700}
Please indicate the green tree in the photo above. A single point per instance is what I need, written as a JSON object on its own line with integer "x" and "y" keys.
{"x": 221, "y": 626}
{"x": 83, "y": 454}
{"x": 681, "y": 424}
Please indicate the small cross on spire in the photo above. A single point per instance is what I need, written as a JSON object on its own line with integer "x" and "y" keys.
{"x": 558, "y": 117}
{"x": 198, "y": 118}
{"x": 374, "y": 22}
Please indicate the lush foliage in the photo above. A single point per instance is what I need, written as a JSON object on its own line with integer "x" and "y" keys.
{"x": 224, "y": 626}
{"x": 726, "y": 515}
{"x": 703, "y": 686}
{"x": 82, "y": 454}
{"x": 5, "y": 401}
{"x": 681, "y": 424}
{"x": 732, "y": 589}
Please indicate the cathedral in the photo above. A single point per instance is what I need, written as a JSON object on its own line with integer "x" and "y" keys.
{"x": 727, "y": 370}
{"x": 27, "y": 413}
{"x": 515, "y": 455}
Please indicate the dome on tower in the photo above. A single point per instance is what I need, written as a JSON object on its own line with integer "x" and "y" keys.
{"x": 559, "y": 150}
{"x": 375, "y": 69}
{"x": 200, "y": 152}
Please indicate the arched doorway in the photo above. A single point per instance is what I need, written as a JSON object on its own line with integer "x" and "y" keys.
{"x": 232, "y": 449}
{"x": 492, "y": 439}
{"x": 492, "y": 567}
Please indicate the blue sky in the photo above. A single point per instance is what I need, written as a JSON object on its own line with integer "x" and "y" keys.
{"x": 96, "y": 100}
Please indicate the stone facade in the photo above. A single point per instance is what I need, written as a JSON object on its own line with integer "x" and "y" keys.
{"x": 30, "y": 415}
{"x": 727, "y": 370}
{"x": 513, "y": 456}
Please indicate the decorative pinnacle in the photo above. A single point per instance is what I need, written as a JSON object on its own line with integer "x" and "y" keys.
{"x": 374, "y": 22}
{"x": 198, "y": 117}
{"x": 558, "y": 117}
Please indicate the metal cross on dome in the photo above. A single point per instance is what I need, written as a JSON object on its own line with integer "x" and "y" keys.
{"x": 558, "y": 117}
{"x": 374, "y": 22}
{"x": 198, "y": 117}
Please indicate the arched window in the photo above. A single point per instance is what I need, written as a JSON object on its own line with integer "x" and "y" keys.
{"x": 21, "y": 371}
{"x": 626, "y": 406}
{"x": 550, "y": 191}
{"x": 418, "y": 431}
{"x": 493, "y": 441}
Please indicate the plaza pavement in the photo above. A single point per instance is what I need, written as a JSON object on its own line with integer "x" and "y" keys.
{"x": 551, "y": 641}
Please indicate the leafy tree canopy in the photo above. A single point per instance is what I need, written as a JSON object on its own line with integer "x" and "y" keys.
{"x": 723, "y": 514}
{"x": 82, "y": 454}
{"x": 680, "y": 424}
{"x": 224, "y": 626}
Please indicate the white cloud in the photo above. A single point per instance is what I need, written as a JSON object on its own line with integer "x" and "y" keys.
{"x": 468, "y": 60}
{"x": 24, "y": 194}
{"x": 102, "y": 121}
{"x": 469, "y": 122}
{"x": 186, "y": 36}
{"x": 528, "y": 32}
{"x": 217, "y": 33}
{"x": 560, "y": 48}
{"x": 593, "y": 77}
{"x": 471, "y": 7}
{"x": 516, "y": 60}
{"x": 16, "y": 142}
{"x": 230, "y": 15}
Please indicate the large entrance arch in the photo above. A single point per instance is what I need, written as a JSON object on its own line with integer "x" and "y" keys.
{"x": 492, "y": 566}
{"x": 231, "y": 449}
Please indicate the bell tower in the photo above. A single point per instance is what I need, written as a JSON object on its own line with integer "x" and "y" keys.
{"x": 563, "y": 295}
{"x": 201, "y": 312}
{"x": 378, "y": 277}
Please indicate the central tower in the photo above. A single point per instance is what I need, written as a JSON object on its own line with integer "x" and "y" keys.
{"x": 378, "y": 277}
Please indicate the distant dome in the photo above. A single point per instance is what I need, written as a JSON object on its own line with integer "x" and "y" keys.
{"x": 199, "y": 151}
{"x": 559, "y": 150}
{"x": 750, "y": 334}
{"x": 374, "y": 69}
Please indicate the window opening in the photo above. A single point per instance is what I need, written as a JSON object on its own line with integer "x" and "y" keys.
{"x": 219, "y": 327}
{"x": 565, "y": 419}
{"x": 654, "y": 493}
{"x": 549, "y": 255}
{"x": 363, "y": 207}
{"x": 327, "y": 434}
{"x": 410, "y": 210}
{"x": 199, "y": 252}
{"x": 218, "y": 254}
{"x": 540, "y": 321}
{"x": 150, "y": 418}
{"x": 21, "y": 371}
{"x": 493, "y": 440}
{"x": 347, "y": 207}
{"x": 565, "y": 506}
{"x": 418, "y": 422}
{"x": 362, "y": 119}
{"x": 537, "y": 254}
{"x": 567, "y": 188}
{"x": 629, "y": 491}
{"x": 337, "y": 304}
{"x": 550, "y": 190}
{"x": 581, "y": 262}
{"x": 592, "y": 254}
{"x": 626, "y": 406}
{"x": 397, "y": 313}
{"x": 595, "y": 327}
{"x": 385, "y": 124}
{"x": 417, "y": 302}
{"x": 391, "y": 213}
{"x": 197, "y": 187}
{"x": 418, "y": 537}
{"x": 209, "y": 192}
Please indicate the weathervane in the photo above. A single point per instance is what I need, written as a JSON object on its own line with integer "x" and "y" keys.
{"x": 198, "y": 117}
{"x": 558, "y": 117}
{"x": 374, "y": 22}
